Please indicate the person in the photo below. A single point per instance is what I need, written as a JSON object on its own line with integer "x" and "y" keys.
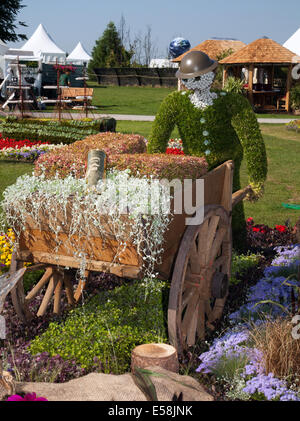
{"x": 220, "y": 127}
{"x": 65, "y": 79}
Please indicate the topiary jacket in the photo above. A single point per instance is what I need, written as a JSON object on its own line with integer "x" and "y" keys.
{"x": 228, "y": 129}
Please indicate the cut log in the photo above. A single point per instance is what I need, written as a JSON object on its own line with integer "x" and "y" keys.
{"x": 161, "y": 355}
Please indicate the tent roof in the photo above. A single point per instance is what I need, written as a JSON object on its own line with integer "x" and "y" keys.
{"x": 79, "y": 53}
{"x": 41, "y": 42}
{"x": 293, "y": 43}
{"x": 262, "y": 50}
{"x": 213, "y": 47}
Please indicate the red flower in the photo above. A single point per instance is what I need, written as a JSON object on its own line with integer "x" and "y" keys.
{"x": 250, "y": 220}
{"x": 281, "y": 228}
{"x": 255, "y": 229}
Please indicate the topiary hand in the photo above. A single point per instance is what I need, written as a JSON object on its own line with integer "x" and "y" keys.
{"x": 256, "y": 192}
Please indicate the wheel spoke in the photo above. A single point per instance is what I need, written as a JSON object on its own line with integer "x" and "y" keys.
{"x": 202, "y": 237}
{"x": 213, "y": 224}
{"x": 38, "y": 287}
{"x": 217, "y": 244}
{"x": 189, "y": 313}
{"x": 47, "y": 296}
{"x": 201, "y": 320}
{"x": 187, "y": 297}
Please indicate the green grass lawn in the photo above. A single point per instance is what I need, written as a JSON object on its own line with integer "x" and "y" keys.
{"x": 283, "y": 183}
{"x": 128, "y": 99}
{"x": 10, "y": 171}
{"x": 276, "y": 115}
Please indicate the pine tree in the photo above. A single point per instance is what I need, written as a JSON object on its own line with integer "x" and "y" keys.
{"x": 109, "y": 51}
{"x": 8, "y": 14}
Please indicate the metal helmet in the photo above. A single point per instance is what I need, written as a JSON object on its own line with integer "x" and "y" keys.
{"x": 195, "y": 63}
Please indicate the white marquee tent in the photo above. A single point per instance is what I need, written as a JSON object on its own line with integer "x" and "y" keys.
{"x": 3, "y": 49}
{"x": 43, "y": 46}
{"x": 79, "y": 55}
{"x": 293, "y": 43}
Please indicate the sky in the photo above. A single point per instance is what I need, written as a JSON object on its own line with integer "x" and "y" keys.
{"x": 71, "y": 21}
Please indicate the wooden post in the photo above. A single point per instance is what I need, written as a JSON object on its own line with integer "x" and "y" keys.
{"x": 288, "y": 88}
{"x": 161, "y": 355}
{"x": 95, "y": 167}
{"x": 250, "y": 83}
{"x": 225, "y": 75}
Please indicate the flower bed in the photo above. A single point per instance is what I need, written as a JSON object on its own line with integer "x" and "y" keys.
{"x": 6, "y": 248}
{"x": 262, "y": 237}
{"x": 48, "y": 130}
{"x": 95, "y": 337}
{"x": 24, "y": 150}
{"x": 293, "y": 125}
{"x": 124, "y": 152}
{"x": 233, "y": 358}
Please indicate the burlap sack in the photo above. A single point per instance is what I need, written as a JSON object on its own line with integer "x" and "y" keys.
{"x": 107, "y": 387}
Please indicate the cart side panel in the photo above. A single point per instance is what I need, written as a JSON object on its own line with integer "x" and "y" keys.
{"x": 217, "y": 191}
{"x": 36, "y": 241}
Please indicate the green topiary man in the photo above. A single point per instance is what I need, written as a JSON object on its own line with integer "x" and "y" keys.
{"x": 219, "y": 127}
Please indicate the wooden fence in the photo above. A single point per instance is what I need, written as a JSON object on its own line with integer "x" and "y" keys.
{"x": 137, "y": 76}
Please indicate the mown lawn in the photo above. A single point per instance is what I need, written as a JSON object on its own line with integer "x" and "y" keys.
{"x": 283, "y": 184}
{"x": 128, "y": 99}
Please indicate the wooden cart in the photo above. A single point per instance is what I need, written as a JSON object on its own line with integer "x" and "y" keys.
{"x": 197, "y": 259}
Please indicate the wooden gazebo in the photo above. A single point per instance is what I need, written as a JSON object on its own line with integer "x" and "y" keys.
{"x": 214, "y": 47}
{"x": 266, "y": 67}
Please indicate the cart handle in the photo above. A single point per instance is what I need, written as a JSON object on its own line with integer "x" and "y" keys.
{"x": 239, "y": 195}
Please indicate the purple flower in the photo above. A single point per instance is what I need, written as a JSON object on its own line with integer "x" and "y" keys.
{"x": 27, "y": 397}
{"x": 271, "y": 387}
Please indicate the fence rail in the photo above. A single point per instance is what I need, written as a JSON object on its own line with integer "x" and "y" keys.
{"x": 128, "y": 76}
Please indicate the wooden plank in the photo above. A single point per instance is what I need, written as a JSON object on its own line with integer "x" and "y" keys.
{"x": 126, "y": 271}
{"x": 227, "y": 186}
{"x": 250, "y": 83}
{"x": 288, "y": 88}
{"x": 95, "y": 248}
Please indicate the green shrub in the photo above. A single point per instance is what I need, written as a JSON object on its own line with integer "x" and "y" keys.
{"x": 108, "y": 327}
{"x": 241, "y": 263}
{"x": 234, "y": 85}
{"x": 31, "y": 278}
{"x": 295, "y": 97}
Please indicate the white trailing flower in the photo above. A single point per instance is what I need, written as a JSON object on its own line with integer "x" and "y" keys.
{"x": 121, "y": 207}
{"x": 202, "y": 97}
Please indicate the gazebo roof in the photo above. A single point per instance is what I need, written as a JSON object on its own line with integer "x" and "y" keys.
{"x": 262, "y": 50}
{"x": 213, "y": 47}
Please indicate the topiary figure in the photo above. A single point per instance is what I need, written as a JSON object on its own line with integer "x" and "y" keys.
{"x": 219, "y": 127}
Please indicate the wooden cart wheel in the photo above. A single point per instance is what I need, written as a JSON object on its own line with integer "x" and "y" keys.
{"x": 200, "y": 278}
{"x": 55, "y": 279}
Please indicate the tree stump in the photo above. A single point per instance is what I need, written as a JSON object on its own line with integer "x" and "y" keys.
{"x": 161, "y": 355}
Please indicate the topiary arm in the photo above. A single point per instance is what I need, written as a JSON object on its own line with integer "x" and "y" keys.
{"x": 247, "y": 128}
{"x": 164, "y": 124}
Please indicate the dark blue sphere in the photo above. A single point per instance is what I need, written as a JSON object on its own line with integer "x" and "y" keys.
{"x": 178, "y": 46}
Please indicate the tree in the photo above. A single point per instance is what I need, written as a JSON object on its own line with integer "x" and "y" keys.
{"x": 149, "y": 47}
{"x": 109, "y": 50}
{"x": 8, "y": 15}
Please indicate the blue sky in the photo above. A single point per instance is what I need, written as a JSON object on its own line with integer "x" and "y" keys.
{"x": 70, "y": 21}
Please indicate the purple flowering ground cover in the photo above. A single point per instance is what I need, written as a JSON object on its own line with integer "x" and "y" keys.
{"x": 232, "y": 358}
